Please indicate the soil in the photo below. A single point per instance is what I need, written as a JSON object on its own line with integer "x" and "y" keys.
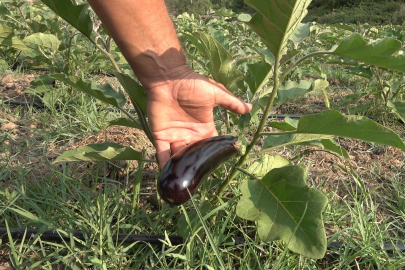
{"x": 365, "y": 159}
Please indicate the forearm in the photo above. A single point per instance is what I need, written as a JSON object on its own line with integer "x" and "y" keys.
{"x": 145, "y": 35}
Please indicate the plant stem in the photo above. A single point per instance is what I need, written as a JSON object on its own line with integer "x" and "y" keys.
{"x": 69, "y": 51}
{"x": 109, "y": 55}
{"x": 226, "y": 118}
{"x": 259, "y": 130}
{"x": 25, "y": 20}
{"x": 247, "y": 173}
{"x": 129, "y": 116}
{"x": 293, "y": 65}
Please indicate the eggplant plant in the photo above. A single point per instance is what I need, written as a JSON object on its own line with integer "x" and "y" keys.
{"x": 275, "y": 194}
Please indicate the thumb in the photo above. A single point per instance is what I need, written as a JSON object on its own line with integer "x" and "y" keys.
{"x": 228, "y": 101}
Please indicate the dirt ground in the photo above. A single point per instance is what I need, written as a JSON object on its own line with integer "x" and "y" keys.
{"x": 324, "y": 167}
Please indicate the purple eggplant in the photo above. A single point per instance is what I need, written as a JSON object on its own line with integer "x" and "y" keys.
{"x": 189, "y": 167}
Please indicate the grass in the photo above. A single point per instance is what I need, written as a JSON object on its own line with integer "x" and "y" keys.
{"x": 105, "y": 209}
{"x": 102, "y": 206}
{"x": 57, "y": 197}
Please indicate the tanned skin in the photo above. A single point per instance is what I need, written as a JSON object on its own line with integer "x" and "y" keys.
{"x": 180, "y": 101}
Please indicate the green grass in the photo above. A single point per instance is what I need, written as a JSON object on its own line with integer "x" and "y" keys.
{"x": 66, "y": 204}
{"x": 91, "y": 201}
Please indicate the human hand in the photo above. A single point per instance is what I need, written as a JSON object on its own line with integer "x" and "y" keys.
{"x": 180, "y": 112}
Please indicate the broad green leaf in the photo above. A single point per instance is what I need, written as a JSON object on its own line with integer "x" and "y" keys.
{"x": 76, "y": 15}
{"x": 282, "y": 126}
{"x": 225, "y": 12}
{"x": 244, "y": 121}
{"x": 361, "y": 71}
{"x": 291, "y": 90}
{"x": 258, "y": 73}
{"x": 277, "y": 20}
{"x": 220, "y": 37}
{"x": 135, "y": 91}
{"x": 333, "y": 146}
{"x": 398, "y": 108}
{"x": 45, "y": 40}
{"x": 7, "y": 38}
{"x": 139, "y": 99}
{"x": 267, "y": 163}
{"x": 302, "y": 32}
{"x": 288, "y": 56}
{"x": 276, "y": 140}
{"x": 286, "y": 209}
{"x": 124, "y": 122}
{"x": 104, "y": 92}
{"x": 284, "y": 140}
{"x": 356, "y": 127}
{"x": 266, "y": 54}
{"x": 380, "y": 53}
{"x": 351, "y": 98}
{"x": 321, "y": 86}
{"x": 220, "y": 66}
{"x": 100, "y": 152}
{"x": 196, "y": 43}
{"x": 396, "y": 84}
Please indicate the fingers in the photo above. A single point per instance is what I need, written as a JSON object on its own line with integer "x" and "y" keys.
{"x": 228, "y": 101}
{"x": 163, "y": 152}
{"x": 177, "y": 146}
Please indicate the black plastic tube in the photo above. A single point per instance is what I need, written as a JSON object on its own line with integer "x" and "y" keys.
{"x": 53, "y": 236}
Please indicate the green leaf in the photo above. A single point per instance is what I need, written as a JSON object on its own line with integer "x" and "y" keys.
{"x": 283, "y": 126}
{"x": 124, "y": 122}
{"x": 291, "y": 90}
{"x": 100, "y": 152}
{"x": 356, "y": 127}
{"x": 225, "y": 12}
{"x": 267, "y": 163}
{"x": 351, "y": 98}
{"x": 380, "y": 53}
{"x": 45, "y": 40}
{"x": 398, "y": 108}
{"x": 361, "y": 71}
{"x": 277, "y": 20}
{"x": 103, "y": 92}
{"x": 266, "y": 54}
{"x": 333, "y": 146}
{"x": 136, "y": 92}
{"x": 220, "y": 66}
{"x": 76, "y": 15}
{"x": 244, "y": 121}
{"x": 258, "y": 73}
{"x": 286, "y": 209}
{"x": 321, "y": 86}
{"x": 284, "y": 140}
{"x": 288, "y": 56}
{"x": 302, "y": 32}
{"x": 7, "y": 38}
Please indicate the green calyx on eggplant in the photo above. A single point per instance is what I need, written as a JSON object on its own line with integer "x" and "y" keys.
{"x": 188, "y": 168}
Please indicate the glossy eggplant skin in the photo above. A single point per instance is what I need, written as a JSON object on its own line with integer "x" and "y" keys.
{"x": 189, "y": 167}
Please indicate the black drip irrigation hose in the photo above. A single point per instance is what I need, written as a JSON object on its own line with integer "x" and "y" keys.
{"x": 19, "y": 233}
{"x": 38, "y": 105}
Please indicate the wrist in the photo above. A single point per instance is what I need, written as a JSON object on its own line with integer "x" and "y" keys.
{"x": 154, "y": 70}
